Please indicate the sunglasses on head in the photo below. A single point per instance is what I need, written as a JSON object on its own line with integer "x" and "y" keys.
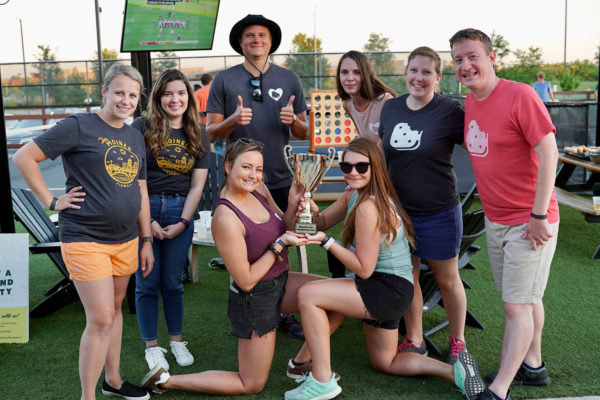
{"x": 360, "y": 167}
{"x": 248, "y": 141}
{"x": 256, "y": 84}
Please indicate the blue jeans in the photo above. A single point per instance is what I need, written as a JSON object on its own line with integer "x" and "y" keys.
{"x": 170, "y": 257}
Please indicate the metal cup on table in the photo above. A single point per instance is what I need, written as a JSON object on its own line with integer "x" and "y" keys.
{"x": 308, "y": 170}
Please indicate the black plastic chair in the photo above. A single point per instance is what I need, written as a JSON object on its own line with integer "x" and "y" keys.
{"x": 29, "y": 212}
{"x": 210, "y": 194}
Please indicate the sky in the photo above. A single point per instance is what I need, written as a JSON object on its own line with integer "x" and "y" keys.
{"x": 69, "y": 28}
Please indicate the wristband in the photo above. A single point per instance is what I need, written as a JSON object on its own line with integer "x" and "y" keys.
{"x": 294, "y": 121}
{"x": 53, "y": 204}
{"x": 328, "y": 244}
{"x": 152, "y": 220}
{"x": 184, "y": 222}
{"x": 274, "y": 251}
{"x": 537, "y": 216}
{"x": 325, "y": 239}
{"x": 147, "y": 239}
{"x": 280, "y": 242}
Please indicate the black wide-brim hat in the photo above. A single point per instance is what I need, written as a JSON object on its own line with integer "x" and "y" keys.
{"x": 254, "y": 19}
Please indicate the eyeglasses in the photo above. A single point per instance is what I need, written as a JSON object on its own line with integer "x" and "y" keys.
{"x": 256, "y": 84}
{"x": 360, "y": 167}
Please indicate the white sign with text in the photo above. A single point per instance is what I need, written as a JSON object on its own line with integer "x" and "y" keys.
{"x": 14, "y": 288}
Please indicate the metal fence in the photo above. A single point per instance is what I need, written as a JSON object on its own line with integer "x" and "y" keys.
{"x": 76, "y": 83}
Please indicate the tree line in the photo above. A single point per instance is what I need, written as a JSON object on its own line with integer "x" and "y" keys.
{"x": 50, "y": 85}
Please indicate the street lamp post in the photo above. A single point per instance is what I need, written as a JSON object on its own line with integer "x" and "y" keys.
{"x": 315, "y": 42}
{"x": 24, "y": 65}
{"x": 100, "y": 70}
{"x": 565, "y": 45}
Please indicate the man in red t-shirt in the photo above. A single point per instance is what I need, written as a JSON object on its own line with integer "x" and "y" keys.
{"x": 202, "y": 95}
{"x": 512, "y": 146}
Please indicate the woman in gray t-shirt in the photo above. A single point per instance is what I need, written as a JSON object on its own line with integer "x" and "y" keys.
{"x": 104, "y": 207}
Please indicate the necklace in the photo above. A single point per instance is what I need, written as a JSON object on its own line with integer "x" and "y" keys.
{"x": 260, "y": 71}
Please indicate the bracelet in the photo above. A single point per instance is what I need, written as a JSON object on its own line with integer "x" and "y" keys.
{"x": 152, "y": 220}
{"x": 280, "y": 242}
{"x": 325, "y": 239}
{"x": 53, "y": 204}
{"x": 274, "y": 251}
{"x": 537, "y": 216}
{"x": 147, "y": 239}
{"x": 328, "y": 244}
{"x": 184, "y": 221}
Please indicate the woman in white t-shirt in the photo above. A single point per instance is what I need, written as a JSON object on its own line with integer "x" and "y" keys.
{"x": 363, "y": 94}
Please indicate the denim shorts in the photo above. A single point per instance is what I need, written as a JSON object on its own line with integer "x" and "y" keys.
{"x": 438, "y": 236}
{"x": 258, "y": 309}
{"x": 386, "y": 297}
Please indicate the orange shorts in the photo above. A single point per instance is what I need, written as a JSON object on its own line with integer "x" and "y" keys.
{"x": 90, "y": 261}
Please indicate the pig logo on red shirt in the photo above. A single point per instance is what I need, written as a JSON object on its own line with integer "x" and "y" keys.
{"x": 476, "y": 140}
{"x": 403, "y": 138}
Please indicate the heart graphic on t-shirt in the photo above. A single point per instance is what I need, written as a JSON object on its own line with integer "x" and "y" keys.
{"x": 374, "y": 127}
{"x": 276, "y": 93}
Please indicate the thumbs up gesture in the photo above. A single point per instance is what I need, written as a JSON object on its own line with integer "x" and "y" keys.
{"x": 287, "y": 115}
{"x": 242, "y": 116}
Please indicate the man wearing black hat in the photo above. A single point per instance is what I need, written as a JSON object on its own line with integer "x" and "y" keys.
{"x": 261, "y": 101}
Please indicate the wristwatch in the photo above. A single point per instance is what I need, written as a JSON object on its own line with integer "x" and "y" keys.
{"x": 147, "y": 239}
{"x": 294, "y": 121}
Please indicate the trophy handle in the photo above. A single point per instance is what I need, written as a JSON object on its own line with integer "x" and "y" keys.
{"x": 289, "y": 158}
{"x": 331, "y": 153}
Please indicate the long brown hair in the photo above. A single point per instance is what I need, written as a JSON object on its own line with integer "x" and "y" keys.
{"x": 381, "y": 190}
{"x": 160, "y": 128}
{"x": 371, "y": 86}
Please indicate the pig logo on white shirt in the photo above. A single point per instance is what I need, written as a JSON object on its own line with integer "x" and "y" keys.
{"x": 476, "y": 140}
{"x": 403, "y": 138}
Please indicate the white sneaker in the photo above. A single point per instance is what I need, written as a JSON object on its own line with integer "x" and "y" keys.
{"x": 181, "y": 353}
{"x": 156, "y": 355}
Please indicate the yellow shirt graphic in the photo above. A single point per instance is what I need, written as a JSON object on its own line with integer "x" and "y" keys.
{"x": 121, "y": 164}
{"x": 174, "y": 159}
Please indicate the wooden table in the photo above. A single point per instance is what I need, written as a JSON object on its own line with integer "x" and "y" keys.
{"x": 565, "y": 192}
{"x": 196, "y": 243}
{"x": 569, "y": 163}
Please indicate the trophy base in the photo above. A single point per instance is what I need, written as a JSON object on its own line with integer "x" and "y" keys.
{"x": 306, "y": 227}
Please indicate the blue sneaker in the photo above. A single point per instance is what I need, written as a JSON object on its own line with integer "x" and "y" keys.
{"x": 311, "y": 389}
{"x": 466, "y": 375}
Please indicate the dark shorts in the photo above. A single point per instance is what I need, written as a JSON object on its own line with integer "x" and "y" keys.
{"x": 438, "y": 236}
{"x": 256, "y": 310}
{"x": 386, "y": 297}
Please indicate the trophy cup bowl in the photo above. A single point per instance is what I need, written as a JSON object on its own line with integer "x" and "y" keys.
{"x": 308, "y": 170}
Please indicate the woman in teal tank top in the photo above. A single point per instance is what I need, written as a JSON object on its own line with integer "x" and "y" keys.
{"x": 380, "y": 232}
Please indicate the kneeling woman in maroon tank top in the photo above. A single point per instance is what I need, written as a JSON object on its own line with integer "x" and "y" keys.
{"x": 250, "y": 234}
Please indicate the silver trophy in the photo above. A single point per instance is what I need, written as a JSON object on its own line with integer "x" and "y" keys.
{"x": 308, "y": 171}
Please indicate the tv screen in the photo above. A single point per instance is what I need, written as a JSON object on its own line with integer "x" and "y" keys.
{"x": 156, "y": 25}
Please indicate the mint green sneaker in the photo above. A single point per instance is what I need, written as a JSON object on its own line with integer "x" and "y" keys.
{"x": 311, "y": 389}
{"x": 466, "y": 375}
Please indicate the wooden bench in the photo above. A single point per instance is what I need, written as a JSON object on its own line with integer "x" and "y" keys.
{"x": 575, "y": 201}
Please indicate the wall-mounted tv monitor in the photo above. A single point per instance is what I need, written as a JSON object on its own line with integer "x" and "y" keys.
{"x": 173, "y": 25}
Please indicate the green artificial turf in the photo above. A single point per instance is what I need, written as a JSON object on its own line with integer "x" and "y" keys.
{"x": 46, "y": 367}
